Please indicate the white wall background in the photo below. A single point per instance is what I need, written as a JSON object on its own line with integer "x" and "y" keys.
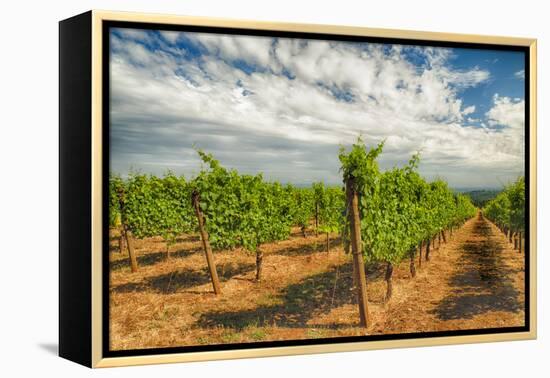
{"x": 28, "y": 186}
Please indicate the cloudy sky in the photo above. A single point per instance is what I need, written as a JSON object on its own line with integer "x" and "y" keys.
{"x": 284, "y": 106}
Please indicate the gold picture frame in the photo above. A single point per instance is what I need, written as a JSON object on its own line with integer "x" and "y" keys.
{"x": 87, "y": 32}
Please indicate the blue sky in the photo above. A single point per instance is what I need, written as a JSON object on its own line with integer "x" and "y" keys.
{"x": 284, "y": 106}
{"x": 506, "y": 68}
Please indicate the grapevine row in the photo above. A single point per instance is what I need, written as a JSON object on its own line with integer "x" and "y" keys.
{"x": 507, "y": 212}
{"x": 398, "y": 211}
{"x": 238, "y": 210}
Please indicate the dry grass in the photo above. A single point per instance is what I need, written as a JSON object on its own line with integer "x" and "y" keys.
{"x": 473, "y": 281}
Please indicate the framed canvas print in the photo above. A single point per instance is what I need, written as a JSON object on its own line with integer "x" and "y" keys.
{"x": 235, "y": 189}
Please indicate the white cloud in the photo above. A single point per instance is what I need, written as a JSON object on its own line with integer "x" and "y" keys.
{"x": 162, "y": 103}
{"x": 170, "y": 36}
{"x": 509, "y": 115}
{"x": 469, "y": 110}
{"x": 507, "y": 112}
{"x": 467, "y": 79}
{"x": 252, "y": 49}
{"x": 520, "y": 74}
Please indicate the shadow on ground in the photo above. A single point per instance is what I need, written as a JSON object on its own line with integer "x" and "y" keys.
{"x": 51, "y": 348}
{"x": 484, "y": 285}
{"x": 152, "y": 258}
{"x": 308, "y": 249}
{"x": 183, "y": 279}
{"x": 295, "y": 305}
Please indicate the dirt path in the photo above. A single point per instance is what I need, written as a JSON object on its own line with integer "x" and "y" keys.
{"x": 474, "y": 281}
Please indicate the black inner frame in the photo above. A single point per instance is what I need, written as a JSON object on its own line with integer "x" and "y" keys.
{"x": 106, "y": 25}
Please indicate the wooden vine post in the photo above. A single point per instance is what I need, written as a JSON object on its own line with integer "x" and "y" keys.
{"x": 126, "y": 233}
{"x": 412, "y": 268}
{"x": 428, "y": 250}
{"x": 167, "y": 251}
{"x": 420, "y": 246}
{"x": 316, "y": 218}
{"x": 131, "y": 251}
{"x": 352, "y": 199}
{"x": 388, "y": 278}
{"x": 205, "y": 243}
{"x": 259, "y": 264}
{"x": 121, "y": 240}
{"x": 520, "y": 236}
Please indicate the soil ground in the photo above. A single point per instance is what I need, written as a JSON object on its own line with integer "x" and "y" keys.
{"x": 475, "y": 280}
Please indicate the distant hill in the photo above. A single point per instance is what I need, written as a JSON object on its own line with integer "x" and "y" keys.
{"x": 481, "y": 197}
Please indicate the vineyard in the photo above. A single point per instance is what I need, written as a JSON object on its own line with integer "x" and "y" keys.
{"x": 230, "y": 257}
